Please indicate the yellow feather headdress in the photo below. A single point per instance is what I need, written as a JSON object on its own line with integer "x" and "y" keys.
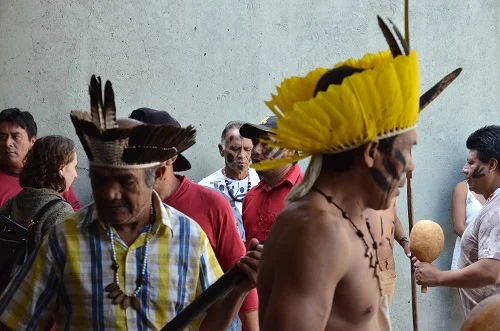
{"x": 379, "y": 102}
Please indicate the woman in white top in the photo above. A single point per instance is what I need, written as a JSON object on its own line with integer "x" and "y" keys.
{"x": 465, "y": 205}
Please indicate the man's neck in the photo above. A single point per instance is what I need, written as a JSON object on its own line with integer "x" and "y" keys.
{"x": 11, "y": 168}
{"x": 492, "y": 188}
{"x": 168, "y": 186}
{"x": 234, "y": 175}
{"x": 345, "y": 190}
{"x": 273, "y": 177}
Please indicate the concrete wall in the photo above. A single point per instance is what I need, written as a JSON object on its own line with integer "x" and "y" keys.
{"x": 211, "y": 62}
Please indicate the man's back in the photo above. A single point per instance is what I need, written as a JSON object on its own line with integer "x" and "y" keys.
{"x": 314, "y": 265}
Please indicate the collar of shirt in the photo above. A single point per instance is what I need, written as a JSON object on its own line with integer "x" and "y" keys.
{"x": 492, "y": 195}
{"x": 291, "y": 177}
{"x": 90, "y": 215}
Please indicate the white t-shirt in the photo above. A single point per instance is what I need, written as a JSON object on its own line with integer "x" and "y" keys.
{"x": 217, "y": 182}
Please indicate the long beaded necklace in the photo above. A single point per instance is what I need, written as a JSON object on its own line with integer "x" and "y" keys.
{"x": 374, "y": 261}
{"x": 231, "y": 193}
{"x": 115, "y": 293}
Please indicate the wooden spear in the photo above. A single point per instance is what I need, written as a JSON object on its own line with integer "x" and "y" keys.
{"x": 409, "y": 198}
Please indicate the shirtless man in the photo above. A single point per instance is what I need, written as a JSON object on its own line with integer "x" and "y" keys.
{"x": 387, "y": 227}
{"x": 319, "y": 266}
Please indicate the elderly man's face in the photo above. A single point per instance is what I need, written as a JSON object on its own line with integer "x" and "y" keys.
{"x": 121, "y": 195}
{"x": 236, "y": 151}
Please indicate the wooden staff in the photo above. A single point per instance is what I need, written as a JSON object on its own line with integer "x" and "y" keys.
{"x": 409, "y": 198}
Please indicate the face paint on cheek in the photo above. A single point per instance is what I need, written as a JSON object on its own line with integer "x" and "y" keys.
{"x": 478, "y": 172}
{"x": 400, "y": 157}
{"x": 275, "y": 155}
{"x": 390, "y": 168}
{"x": 380, "y": 179}
{"x": 230, "y": 158}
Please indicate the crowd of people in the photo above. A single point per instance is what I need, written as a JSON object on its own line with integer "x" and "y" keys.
{"x": 153, "y": 240}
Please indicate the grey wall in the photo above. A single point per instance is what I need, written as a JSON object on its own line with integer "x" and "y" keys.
{"x": 215, "y": 61}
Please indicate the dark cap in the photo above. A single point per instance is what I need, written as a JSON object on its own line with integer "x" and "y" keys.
{"x": 153, "y": 116}
{"x": 251, "y": 131}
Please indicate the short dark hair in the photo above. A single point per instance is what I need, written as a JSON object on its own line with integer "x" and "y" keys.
{"x": 22, "y": 119}
{"x": 44, "y": 160}
{"x": 486, "y": 141}
{"x": 344, "y": 161}
{"x": 229, "y": 126}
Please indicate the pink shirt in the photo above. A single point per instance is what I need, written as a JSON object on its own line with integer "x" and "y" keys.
{"x": 10, "y": 187}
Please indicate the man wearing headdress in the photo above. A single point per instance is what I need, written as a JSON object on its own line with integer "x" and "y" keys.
{"x": 319, "y": 269}
{"x": 126, "y": 261}
{"x": 206, "y": 207}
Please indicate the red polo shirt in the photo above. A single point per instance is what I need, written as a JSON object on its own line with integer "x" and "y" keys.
{"x": 262, "y": 205}
{"x": 10, "y": 187}
{"x": 215, "y": 216}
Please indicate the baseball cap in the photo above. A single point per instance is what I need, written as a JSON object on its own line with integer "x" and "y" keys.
{"x": 153, "y": 116}
{"x": 251, "y": 131}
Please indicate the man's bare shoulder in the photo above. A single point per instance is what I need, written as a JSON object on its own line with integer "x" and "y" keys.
{"x": 305, "y": 221}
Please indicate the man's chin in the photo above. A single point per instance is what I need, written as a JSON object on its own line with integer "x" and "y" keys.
{"x": 114, "y": 217}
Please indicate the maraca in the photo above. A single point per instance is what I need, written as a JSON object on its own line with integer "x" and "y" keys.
{"x": 426, "y": 242}
{"x": 485, "y": 316}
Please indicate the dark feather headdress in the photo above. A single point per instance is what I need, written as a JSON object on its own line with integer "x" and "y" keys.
{"x": 113, "y": 143}
{"x": 399, "y": 46}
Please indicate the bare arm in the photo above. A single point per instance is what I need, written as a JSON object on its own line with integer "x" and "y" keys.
{"x": 458, "y": 198}
{"x": 486, "y": 271}
{"x": 306, "y": 276}
{"x": 221, "y": 314}
{"x": 400, "y": 235}
{"x": 250, "y": 321}
{"x": 481, "y": 273}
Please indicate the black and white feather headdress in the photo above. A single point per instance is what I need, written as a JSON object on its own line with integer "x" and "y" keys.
{"x": 113, "y": 143}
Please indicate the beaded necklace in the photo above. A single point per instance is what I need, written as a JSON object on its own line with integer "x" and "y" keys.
{"x": 231, "y": 193}
{"x": 374, "y": 261}
{"x": 115, "y": 293}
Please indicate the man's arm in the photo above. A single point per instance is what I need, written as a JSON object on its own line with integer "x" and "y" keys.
{"x": 400, "y": 235}
{"x": 250, "y": 320}
{"x": 221, "y": 314}
{"x": 486, "y": 271}
{"x": 313, "y": 259}
{"x": 481, "y": 273}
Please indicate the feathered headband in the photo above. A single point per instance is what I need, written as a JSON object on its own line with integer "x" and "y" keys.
{"x": 378, "y": 102}
{"x": 115, "y": 144}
